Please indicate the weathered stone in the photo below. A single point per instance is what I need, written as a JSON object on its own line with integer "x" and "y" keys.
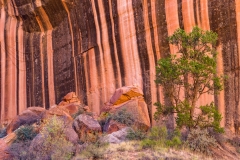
{"x": 87, "y": 128}
{"x": 71, "y": 108}
{"x": 29, "y": 116}
{"x": 137, "y": 107}
{"x": 58, "y": 112}
{"x": 71, "y": 134}
{"x": 124, "y": 94}
{"x": 69, "y": 96}
{"x": 113, "y": 126}
{"x": 116, "y": 137}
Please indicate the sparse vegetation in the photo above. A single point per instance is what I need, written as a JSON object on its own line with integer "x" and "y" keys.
{"x": 26, "y": 132}
{"x": 123, "y": 117}
{"x": 136, "y": 135}
{"x": 200, "y": 140}
{"x": 159, "y": 137}
{"x": 53, "y": 142}
{"x": 93, "y": 151}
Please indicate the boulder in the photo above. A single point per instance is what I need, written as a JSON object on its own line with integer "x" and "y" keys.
{"x": 29, "y": 116}
{"x": 69, "y": 98}
{"x": 87, "y": 128}
{"x": 137, "y": 107}
{"x": 71, "y": 134}
{"x": 124, "y": 94}
{"x": 113, "y": 126}
{"x": 116, "y": 137}
{"x": 71, "y": 108}
{"x": 58, "y": 112}
{"x": 131, "y": 99}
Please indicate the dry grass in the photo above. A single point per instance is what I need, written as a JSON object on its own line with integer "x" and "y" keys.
{"x": 132, "y": 150}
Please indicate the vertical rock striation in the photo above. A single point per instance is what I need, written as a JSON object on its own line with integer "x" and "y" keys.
{"x": 52, "y": 47}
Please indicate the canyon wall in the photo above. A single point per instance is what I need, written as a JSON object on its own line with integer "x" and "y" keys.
{"x": 52, "y": 47}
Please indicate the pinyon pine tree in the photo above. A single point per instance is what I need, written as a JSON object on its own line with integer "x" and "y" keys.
{"x": 190, "y": 72}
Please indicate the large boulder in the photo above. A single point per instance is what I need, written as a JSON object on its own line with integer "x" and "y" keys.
{"x": 29, "y": 116}
{"x": 124, "y": 94}
{"x": 116, "y": 137}
{"x": 87, "y": 128}
{"x": 130, "y": 99}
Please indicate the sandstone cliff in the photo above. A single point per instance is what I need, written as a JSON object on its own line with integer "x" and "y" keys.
{"x": 92, "y": 47}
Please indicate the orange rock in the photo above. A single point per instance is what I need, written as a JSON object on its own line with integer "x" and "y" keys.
{"x": 58, "y": 112}
{"x": 124, "y": 94}
{"x": 138, "y": 109}
{"x": 113, "y": 126}
{"x": 69, "y": 96}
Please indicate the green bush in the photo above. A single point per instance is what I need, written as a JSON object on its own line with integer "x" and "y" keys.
{"x": 93, "y": 151}
{"x": 148, "y": 143}
{"x": 174, "y": 142}
{"x": 123, "y": 117}
{"x": 26, "y": 132}
{"x": 80, "y": 111}
{"x": 136, "y": 135}
{"x": 159, "y": 136}
{"x": 158, "y": 133}
{"x": 55, "y": 145}
{"x": 200, "y": 140}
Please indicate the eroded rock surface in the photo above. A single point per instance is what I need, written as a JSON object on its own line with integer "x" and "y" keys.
{"x": 116, "y": 137}
{"x": 87, "y": 128}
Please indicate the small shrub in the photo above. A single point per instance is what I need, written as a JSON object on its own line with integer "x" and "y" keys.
{"x": 104, "y": 118}
{"x": 148, "y": 143}
{"x": 174, "y": 142}
{"x": 54, "y": 146}
{"x": 123, "y": 117}
{"x": 26, "y": 132}
{"x": 200, "y": 140}
{"x": 80, "y": 111}
{"x": 158, "y": 133}
{"x": 93, "y": 151}
{"x": 136, "y": 135}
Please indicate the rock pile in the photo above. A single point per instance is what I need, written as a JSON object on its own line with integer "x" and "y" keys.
{"x": 80, "y": 124}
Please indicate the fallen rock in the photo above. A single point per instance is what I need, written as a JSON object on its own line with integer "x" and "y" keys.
{"x": 87, "y": 128}
{"x": 137, "y": 107}
{"x": 29, "y": 116}
{"x": 69, "y": 98}
{"x": 131, "y": 99}
{"x": 116, "y": 137}
{"x": 71, "y": 134}
{"x": 58, "y": 112}
{"x": 71, "y": 108}
{"x": 113, "y": 126}
{"x": 124, "y": 94}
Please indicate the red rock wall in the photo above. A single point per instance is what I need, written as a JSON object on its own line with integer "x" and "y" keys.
{"x": 52, "y": 47}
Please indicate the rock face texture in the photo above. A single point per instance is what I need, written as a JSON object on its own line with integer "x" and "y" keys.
{"x": 92, "y": 47}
